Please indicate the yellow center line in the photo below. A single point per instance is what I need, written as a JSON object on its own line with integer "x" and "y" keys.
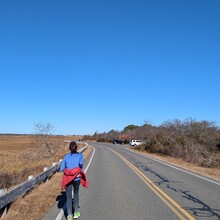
{"x": 175, "y": 207}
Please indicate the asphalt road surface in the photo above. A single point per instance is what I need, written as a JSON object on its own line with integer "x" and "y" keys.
{"x": 124, "y": 185}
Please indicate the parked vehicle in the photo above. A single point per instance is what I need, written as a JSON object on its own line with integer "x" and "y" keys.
{"x": 116, "y": 141}
{"x": 136, "y": 142}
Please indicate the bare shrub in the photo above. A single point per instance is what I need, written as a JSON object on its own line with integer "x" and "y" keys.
{"x": 194, "y": 141}
{"x": 106, "y": 137}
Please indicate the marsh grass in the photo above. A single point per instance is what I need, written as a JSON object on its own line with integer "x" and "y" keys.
{"x": 19, "y": 159}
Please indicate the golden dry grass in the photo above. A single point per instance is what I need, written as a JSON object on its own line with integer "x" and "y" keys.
{"x": 14, "y": 144}
{"x": 19, "y": 159}
{"x": 11, "y": 145}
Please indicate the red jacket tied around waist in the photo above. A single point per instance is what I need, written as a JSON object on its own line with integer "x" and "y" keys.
{"x": 69, "y": 175}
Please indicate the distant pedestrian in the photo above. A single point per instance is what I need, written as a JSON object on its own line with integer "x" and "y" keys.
{"x": 73, "y": 176}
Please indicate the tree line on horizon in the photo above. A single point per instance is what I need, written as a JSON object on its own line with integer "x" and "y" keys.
{"x": 194, "y": 141}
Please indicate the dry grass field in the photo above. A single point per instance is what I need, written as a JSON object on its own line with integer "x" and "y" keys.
{"x": 19, "y": 158}
{"x": 12, "y": 144}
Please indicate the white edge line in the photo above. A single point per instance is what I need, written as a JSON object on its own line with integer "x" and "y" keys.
{"x": 90, "y": 159}
{"x": 175, "y": 167}
{"x": 61, "y": 213}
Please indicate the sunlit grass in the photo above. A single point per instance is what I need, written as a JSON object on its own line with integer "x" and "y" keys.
{"x": 19, "y": 159}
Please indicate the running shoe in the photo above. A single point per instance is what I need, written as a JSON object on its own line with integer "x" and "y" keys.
{"x": 75, "y": 216}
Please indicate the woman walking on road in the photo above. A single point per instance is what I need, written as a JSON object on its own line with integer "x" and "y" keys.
{"x": 73, "y": 176}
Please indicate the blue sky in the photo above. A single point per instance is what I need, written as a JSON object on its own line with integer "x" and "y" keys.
{"x": 88, "y": 66}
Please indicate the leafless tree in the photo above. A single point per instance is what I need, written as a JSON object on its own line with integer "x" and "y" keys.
{"x": 43, "y": 140}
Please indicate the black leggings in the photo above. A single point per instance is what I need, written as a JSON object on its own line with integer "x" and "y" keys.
{"x": 69, "y": 189}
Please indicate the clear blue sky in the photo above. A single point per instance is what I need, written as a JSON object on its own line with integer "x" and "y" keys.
{"x": 94, "y": 65}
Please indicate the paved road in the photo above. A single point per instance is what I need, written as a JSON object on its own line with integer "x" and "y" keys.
{"x": 124, "y": 185}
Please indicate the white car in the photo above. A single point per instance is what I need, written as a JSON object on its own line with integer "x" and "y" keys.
{"x": 136, "y": 142}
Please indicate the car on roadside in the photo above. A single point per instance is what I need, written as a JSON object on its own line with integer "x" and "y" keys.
{"x": 116, "y": 141}
{"x": 136, "y": 142}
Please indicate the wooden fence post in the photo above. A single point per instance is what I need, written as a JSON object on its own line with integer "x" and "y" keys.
{"x": 30, "y": 177}
{"x": 45, "y": 169}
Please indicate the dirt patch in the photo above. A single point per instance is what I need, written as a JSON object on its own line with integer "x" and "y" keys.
{"x": 213, "y": 173}
{"x": 35, "y": 204}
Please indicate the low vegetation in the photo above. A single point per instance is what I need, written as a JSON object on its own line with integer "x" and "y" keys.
{"x": 20, "y": 156}
{"x": 197, "y": 142}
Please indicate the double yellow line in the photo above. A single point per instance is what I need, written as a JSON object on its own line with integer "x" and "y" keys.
{"x": 176, "y": 208}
